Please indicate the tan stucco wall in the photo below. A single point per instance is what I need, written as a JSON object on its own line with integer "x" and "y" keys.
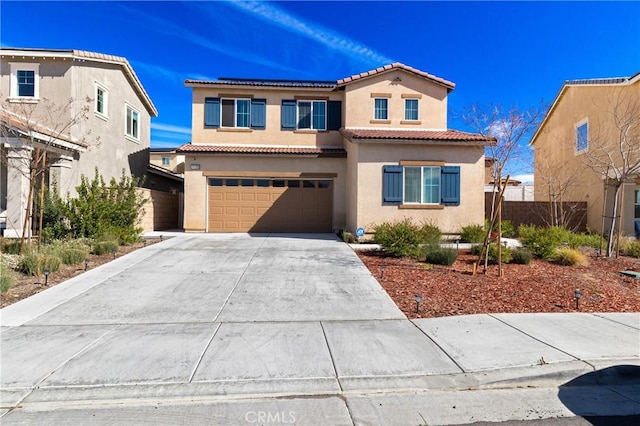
{"x": 272, "y": 134}
{"x": 556, "y": 160}
{"x": 160, "y": 212}
{"x": 196, "y": 189}
{"x": 371, "y": 210}
{"x": 432, "y": 106}
{"x": 176, "y": 161}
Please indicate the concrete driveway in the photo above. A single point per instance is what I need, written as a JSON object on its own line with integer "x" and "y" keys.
{"x": 223, "y": 329}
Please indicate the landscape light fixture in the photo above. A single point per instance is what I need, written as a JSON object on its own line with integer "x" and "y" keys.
{"x": 382, "y": 272}
{"x": 86, "y": 263}
{"x": 577, "y": 294}
{"x": 113, "y": 252}
{"x": 46, "y": 277}
{"x": 144, "y": 242}
{"x": 418, "y": 299}
{"x": 160, "y": 237}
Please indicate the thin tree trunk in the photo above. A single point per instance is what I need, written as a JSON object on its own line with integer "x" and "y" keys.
{"x": 500, "y": 237}
{"x": 614, "y": 215}
{"x": 42, "y": 176}
{"x": 27, "y": 215}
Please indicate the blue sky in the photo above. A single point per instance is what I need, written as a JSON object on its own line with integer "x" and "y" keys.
{"x": 512, "y": 53}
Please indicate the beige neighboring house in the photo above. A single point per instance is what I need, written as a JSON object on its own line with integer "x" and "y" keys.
{"x": 119, "y": 119}
{"x": 580, "y": 123}
{"x": 168, "y": 159}
{"x": 319, "y": 156}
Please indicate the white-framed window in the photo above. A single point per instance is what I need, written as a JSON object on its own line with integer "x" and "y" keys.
{"x": 236, "y": 113}
{"x": 312, "y": 115}
{"x": 411, "y": 109}
{"x": 132, "y": 122}
{"x": 421, "y": 185}
{"x": 582, "y": 135}
{"x": 102, "y": 100}
{"x": 24, "y": 81}
{"x": 166, "y": 161}
{"x": 380, "y": 109}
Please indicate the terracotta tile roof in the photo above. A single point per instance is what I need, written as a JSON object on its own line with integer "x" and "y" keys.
{"x": 11, "y": 122}
{"x": 260, "y": 150}
{"x": 427, "y": 136}
{"x": 89, "y": 56}
{"x": 227, "y": 81}
{"x": 450, "y": 85}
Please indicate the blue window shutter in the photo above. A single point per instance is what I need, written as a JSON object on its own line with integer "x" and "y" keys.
{"x": 258, "y": 113}
{"x": 392, "y": 184}
{"x": 289, "y": 113}
{"x": 450, "y": 185}
{"x": 212, "y": 112}
{"x": 334, "y": 115}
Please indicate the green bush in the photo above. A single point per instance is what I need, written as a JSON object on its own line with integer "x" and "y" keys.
{"x": 569, "y": 257}
{"x": 405, "y": 238}
{"x": 7, "y": 277}
{"x": 104, "y": 247}
{"x": 9, "y": 245}
{"x": 508, "y": 230}
{"x": 521, "y": 256}
{"x": 475, "y": 249}
{"x": 347, "y": 236}
{"x": 55, "y": 223}
{"x": 472, "y": 234}
{"x": 442, "y": 256}
{"x": 493, "y": 253}
{"x": 73, "y": 256}
{"x": 543, "y": 242}
{"x": 34, "y": 263}
{"x": 633, "y": 249}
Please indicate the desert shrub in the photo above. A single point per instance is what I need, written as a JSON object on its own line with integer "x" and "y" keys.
{"x": 406, "y": 239}
{"x": 7, "y": 277}
{"x": 104, "y": 247}
{"x": 543, "y": 241}
{"x": 442, "y": 256}
{"x": 347, "y": 236}
{"x": 475, "y": 249}
{"x": 521, "y": 256}
{"x": 472, "y": 234}
{"x": 587, "y": 240}
{"x": 9, "y": 245}
{"x": 55, "y": 222}
{"x": 508, "y": 230}
{"x": 493, "y": 253}
{"x": 73, "y": 256}
{"x": 632, "y": 249}
{"x": 569, "y": 257}
{"x": 34, "y": 263}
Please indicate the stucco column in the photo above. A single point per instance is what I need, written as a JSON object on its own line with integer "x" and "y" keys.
{"x": 18, "y": 160}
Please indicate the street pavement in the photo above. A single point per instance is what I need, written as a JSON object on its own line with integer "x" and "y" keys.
{"x": 293, "y": 329}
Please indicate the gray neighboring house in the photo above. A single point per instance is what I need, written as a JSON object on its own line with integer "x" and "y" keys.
{"x": 119, "y": 119}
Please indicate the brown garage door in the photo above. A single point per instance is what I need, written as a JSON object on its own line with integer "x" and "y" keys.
{"x": 270, "y": 205}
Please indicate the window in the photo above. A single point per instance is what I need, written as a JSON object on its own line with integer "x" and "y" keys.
{"x": 582, "y": 136}
{"x": 242, "y": 113}
{"x": 380, "y": 109}
{"x": 411, "y": 109}
{"x": 421, "y": 185}
{"x": 24, "y": 80}
{"x": 312, "y": 115}
{"x": 166, "y": 161}
{"x": 132, "y": 126}
{"x": 101, "y": 100}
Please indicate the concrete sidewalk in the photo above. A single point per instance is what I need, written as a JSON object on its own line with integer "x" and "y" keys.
{"x": 284, "y": 329}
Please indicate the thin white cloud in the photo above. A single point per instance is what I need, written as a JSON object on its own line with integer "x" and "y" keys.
{"x": 328, "y": 38}
{"x": 157, "y": 70}
{"x": 171, "y": 128}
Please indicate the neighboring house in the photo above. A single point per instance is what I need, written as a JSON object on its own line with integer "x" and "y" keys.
{"x": 167, "y": 158}
{"x": 117, "y": 128}
{"x": 580, "y": 124}
{"x": 319, "y": 156}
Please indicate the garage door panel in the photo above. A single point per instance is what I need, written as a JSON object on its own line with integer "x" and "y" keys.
{"x": 270, "y": 209}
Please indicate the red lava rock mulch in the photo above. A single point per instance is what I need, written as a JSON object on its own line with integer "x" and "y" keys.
{"x": 538, "y": 287}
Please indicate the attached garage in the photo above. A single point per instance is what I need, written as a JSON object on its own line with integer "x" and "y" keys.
{"x": 257, "y": 204}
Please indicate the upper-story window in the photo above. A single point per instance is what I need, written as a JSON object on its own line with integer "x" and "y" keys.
{"x": 582, "y": 136}
{"x": 101, "y": 105}
{"x": 24, "y": 80}
{"x": 236, "y": 113}
{"x": 166, "y": 161}
{"x": 244, "y": 113}
{"x": 132, "y": 125}
{"x": 381, "y": 109}
{"x": 312, "y": 115}
{"x": 411, "y": 109}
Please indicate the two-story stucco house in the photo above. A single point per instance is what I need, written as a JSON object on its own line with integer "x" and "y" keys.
{"x": 318, "y": 156}
{"x": 585, "y": 124}
{"x": 115, "y": 135}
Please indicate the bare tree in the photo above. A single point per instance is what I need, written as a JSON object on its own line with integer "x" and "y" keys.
{"x": 556, "y": 181}
{"x": 41, "y": 129}
{"x": 613, "y": 150}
